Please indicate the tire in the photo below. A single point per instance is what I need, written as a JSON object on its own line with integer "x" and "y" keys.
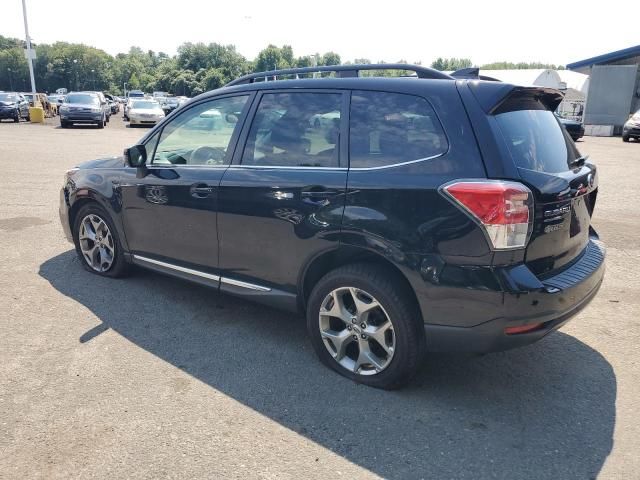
{"x": 64, "y": 124}
{"x": 102, "y": 123}
{"x": 394, "y": 301}
{"x": 625, "y": 138}
{"x": 16, "y": 119}
{"x": 118, "y": 266}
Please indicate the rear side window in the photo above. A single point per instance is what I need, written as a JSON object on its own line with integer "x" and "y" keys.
{"x": 391, "y": 128}
{"x": 299, "y": 129}
{"x": 536, "y": 140}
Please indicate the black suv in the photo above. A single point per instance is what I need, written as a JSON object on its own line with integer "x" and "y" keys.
{"x": 430, "y": 212}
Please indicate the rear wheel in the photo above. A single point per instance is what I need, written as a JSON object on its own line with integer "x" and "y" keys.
{"x": 97, "y": 243}
{"x": 364, "y": 324}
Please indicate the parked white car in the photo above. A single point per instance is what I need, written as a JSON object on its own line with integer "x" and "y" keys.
{"x": 144, "y": 112}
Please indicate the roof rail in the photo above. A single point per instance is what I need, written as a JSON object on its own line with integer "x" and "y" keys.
{"x": 342, "y": 71}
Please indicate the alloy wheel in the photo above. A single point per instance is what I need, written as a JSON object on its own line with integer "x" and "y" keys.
{"x": 357, "y": 331}
{"x": 96, "y": 243}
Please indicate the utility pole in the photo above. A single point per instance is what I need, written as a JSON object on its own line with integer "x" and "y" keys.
{"x": 29, "y": 55}
{"x": 10, "y": 79}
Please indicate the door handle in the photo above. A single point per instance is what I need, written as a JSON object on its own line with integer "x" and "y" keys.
{"x": 201, "y": 190}
{"x": 318, "y": 195}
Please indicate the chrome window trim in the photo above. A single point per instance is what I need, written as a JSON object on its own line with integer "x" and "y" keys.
{"x": 282, "y": 167}
{"x": 392, "y": 165}
{"x": 172, "y": 166}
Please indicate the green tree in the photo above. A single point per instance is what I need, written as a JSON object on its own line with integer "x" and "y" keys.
{"x": 134, "y": 82}
{"x": 330, "y": 58}
{"x": 451, "y": 63}
{"x": 273, "y": 58}
{"x": 520, "y": 66}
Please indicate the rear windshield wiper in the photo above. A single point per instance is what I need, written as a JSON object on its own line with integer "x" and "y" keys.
{"x": 578, "y": 162}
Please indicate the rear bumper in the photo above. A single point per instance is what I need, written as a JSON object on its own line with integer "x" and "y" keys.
{"x": 551, "y": 302}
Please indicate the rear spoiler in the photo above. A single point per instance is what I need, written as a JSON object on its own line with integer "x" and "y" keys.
{"x": 472, "y": 73}
{"x": 498, "y": 97}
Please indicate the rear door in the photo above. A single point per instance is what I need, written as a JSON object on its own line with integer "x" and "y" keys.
{"x": 281, "y": 202}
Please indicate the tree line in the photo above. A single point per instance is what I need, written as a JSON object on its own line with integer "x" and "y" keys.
{"x": 452, "y": 64}
{"x": 195, "y": 68}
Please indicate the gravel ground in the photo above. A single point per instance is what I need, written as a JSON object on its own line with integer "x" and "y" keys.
{"x": 152, "y": 377}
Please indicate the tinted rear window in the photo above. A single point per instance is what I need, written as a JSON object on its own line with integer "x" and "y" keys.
{"x": 537, "y": 141}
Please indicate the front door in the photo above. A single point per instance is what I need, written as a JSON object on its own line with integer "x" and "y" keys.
{"x": 170, "y": 213}
{"x": 281, "y": 201}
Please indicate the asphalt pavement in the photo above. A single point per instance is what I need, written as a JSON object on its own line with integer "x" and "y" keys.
{"x": 153, "y": 377}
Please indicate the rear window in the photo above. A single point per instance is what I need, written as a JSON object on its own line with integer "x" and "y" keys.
{"x": 536, "y": 140}
{"x": 392, "y": 128}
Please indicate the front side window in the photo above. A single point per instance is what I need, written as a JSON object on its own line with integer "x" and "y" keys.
{"x": 391, "y": 128}
{"x": 201, "y": 135}
{"x": 299, "y": 129}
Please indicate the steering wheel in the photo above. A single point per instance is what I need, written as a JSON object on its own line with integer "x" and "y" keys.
{"x": 206, "y": 155}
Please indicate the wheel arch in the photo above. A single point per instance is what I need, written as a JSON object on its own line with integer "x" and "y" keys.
{"x": 326, "y": 261}
{"x": 91, "y": 196}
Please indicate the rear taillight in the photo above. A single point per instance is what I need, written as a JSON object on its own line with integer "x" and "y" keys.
{"x": 503, "y": 209}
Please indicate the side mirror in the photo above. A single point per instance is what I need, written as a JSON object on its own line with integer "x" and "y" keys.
{"x": 231, "y": 118}
{"x": 136, "y": 156}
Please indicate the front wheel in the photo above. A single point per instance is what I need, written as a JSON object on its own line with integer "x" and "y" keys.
{"x": 97, "y": 243}
{"x": 625, "y": 138}
{"x": 364, "y": 324}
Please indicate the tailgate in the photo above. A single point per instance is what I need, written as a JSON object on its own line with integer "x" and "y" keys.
{"x": 564, "y": 186}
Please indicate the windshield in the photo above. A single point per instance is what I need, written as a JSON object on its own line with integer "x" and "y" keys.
{"x": 145, "y": 105}
{"x": 136, "y": 94}
{"x": 85, "y": 99}
{"x": 536, "y": 140}
{"x": 8, "y": 97}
